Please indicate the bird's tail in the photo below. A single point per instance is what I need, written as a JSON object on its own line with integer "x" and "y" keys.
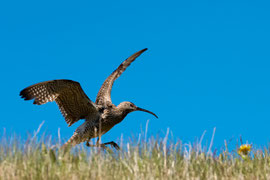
{"x": 81, "y": 134}
{"x": 74, "y": 140}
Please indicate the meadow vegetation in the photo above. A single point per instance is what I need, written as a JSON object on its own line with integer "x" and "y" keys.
{"x": 146, "y": 158}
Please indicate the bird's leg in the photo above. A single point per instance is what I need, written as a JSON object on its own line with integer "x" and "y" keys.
{"x": 103, "y": 145}
{"x": 87, "y": 143}
{"x": 91, "y": 145}
{"x": 95, "y": 145}
{"x": 113, "y": 144}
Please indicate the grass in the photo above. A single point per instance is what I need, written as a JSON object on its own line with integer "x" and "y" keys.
{"x": 155, "y": 158}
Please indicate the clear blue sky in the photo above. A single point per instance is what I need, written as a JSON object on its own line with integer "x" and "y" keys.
{"x": 208, "y": 64}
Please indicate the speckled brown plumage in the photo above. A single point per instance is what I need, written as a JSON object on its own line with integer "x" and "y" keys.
{"x": 69, "y": 96}
{"x": 74, "y": 104}
{"x": 104, "y": 94}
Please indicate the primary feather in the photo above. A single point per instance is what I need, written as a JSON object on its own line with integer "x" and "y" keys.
{"x": 69, "y": 96}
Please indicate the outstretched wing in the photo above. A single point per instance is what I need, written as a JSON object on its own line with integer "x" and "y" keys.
{"x": 104, "y": 94}
{"x": 69, "y": 96}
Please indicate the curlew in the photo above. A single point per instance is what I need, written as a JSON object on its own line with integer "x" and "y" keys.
{"x": 74, "y": 105}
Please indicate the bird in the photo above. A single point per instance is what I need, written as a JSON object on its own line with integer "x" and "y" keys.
{"x": 100, "y": 116}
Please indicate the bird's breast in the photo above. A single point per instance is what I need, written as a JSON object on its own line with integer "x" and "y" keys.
{"x": 111, "y": 117}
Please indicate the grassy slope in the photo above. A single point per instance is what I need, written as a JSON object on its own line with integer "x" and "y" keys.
{"x": 151, "y": 160}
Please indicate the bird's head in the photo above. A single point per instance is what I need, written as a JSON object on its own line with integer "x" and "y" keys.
{"x": 130, "y": 107}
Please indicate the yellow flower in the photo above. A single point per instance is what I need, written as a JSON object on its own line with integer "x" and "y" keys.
{"x": 244, "y": 149}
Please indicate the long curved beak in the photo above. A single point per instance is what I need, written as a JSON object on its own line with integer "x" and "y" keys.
{"x": 141, "y": 109}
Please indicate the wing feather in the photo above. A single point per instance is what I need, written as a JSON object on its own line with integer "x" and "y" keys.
{"x": 104, "y": 94}
{"x": 69, "y": 96}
